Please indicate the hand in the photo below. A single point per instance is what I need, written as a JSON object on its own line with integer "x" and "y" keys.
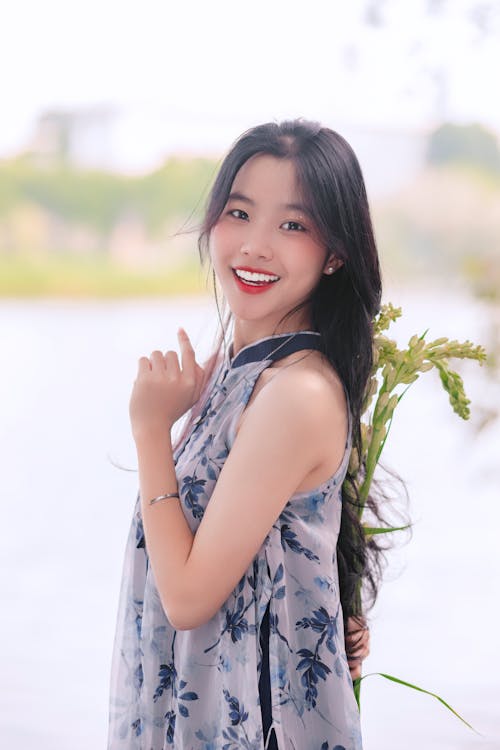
{"x": 163, "y": 392}
{"x": 357, "y": 643}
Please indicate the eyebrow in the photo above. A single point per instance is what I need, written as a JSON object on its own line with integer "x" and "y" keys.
{"x": 289, "y": 206}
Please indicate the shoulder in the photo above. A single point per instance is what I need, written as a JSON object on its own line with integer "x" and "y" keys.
{"x": 310, "y": 393}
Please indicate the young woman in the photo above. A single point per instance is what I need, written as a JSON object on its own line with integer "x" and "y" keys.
{"x": 239, "y": 580}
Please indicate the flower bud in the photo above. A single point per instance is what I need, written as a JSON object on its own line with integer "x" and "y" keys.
{"x": 413, "y": 341}
{"x": 393, "y": 402}
{"x": 419, "y": 346}
{"x": 382, "y": 400}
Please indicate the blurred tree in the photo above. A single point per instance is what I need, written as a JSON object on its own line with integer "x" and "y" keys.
{"x": 99, "y": 199}
{"x": 465, "y": 144}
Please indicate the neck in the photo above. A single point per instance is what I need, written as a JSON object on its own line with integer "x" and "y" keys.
{"x": 246, "y": 332}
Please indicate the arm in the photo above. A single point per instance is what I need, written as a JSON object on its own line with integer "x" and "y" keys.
{"x": 275, "y": 448}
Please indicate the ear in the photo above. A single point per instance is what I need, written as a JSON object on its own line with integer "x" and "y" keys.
{"x": 332, "y": 264}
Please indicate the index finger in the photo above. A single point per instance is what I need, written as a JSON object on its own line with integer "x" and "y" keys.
{"x": 187, "y": 354}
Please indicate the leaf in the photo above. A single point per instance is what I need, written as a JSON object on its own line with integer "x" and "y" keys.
{"x": 357, "y": 689}
{"x": 370, "y": 530}
{"x": 280, "y": 593}
{"x": 414, "y": 687}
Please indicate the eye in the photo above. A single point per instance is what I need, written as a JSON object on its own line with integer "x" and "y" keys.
{"x": 231, "y": 212}
{"x": 302, "y": 229}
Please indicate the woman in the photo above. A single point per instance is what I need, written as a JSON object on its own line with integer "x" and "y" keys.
{"x": 239, "y": 579}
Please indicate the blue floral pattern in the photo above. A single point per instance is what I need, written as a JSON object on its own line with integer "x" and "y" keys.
{"x": 198, "y": 689}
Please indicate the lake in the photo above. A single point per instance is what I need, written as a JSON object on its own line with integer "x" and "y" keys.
{"x": 67, "y": 369}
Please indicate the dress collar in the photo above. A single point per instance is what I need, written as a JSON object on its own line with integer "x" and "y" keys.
{"x": 275, "y": 347}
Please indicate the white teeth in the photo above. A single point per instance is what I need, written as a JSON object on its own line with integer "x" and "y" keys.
{"x": 249, "y": 276}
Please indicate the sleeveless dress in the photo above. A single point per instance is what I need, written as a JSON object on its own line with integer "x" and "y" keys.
{"x": 270, "y": 666}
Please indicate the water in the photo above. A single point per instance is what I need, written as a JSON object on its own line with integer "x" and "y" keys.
{"x": 66, "y": 375}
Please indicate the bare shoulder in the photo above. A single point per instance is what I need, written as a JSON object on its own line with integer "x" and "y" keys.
{"x": 308, "y": 380}
{"x": 323, "y": 418}
{"x": 308, "y": 390}
{"x": 311, "y": 385}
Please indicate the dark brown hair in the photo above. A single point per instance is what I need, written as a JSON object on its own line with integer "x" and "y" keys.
{"x": 342, "y": 305}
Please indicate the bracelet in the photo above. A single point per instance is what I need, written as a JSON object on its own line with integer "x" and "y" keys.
{"x": 163, "y": 497}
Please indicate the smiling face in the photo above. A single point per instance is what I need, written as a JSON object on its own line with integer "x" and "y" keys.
{"x": 263, "y": 228}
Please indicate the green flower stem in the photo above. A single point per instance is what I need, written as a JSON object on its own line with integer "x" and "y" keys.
{"x": 371, "y": 463}
{"x": 399, "y": 367}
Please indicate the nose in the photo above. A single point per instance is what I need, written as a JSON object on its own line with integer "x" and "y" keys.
{"x": 256, "y": 243}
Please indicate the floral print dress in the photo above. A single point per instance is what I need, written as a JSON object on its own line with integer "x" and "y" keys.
{"x": 198, "y": 689}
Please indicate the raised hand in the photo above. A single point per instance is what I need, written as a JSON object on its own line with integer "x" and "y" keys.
{"x": 163, "y": 390}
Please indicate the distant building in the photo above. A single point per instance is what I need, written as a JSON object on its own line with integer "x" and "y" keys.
{"x": 80, "y": 137}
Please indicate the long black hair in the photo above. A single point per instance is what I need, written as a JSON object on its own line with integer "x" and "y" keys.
{"x": 342, "y": 305}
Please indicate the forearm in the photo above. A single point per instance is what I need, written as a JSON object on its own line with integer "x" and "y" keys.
{"x": 168, "y": 536}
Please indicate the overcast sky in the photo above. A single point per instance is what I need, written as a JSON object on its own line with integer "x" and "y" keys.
{"x": 399, "y": 65}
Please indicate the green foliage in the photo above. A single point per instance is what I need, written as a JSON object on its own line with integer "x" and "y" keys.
{"x": 357, "y": 682}
{"x": 98, "y": 198}
{"x": 171, "y": 190}
{"x": 465, "y": 144}
{"x": 64, "y": 275}
{"x": 393, "y": 367}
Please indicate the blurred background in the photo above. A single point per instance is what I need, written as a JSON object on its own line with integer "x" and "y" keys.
{"x": 115, "y": 117}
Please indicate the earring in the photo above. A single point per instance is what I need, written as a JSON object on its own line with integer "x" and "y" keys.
{"x": 330, "y": 269}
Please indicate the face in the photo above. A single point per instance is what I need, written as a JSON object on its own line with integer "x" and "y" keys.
{"x": 263, "y": 230}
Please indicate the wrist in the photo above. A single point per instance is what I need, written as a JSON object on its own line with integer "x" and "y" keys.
{"x": 158, "y": 436}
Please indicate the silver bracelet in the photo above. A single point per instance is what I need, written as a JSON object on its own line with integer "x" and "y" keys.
{"x": 163, "y": 497}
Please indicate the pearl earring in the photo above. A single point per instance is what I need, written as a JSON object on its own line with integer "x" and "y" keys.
{"x": 330, "y": 269}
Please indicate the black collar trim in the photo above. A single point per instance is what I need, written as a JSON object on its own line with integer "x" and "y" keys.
{"x": 283, "y": 343}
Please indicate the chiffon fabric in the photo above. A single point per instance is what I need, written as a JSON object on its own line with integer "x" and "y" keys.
{"x": 232, "y": 683}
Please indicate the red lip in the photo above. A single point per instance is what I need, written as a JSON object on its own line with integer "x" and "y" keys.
{"x": 255, "y": 270}
{"x": 252, "y": 288}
